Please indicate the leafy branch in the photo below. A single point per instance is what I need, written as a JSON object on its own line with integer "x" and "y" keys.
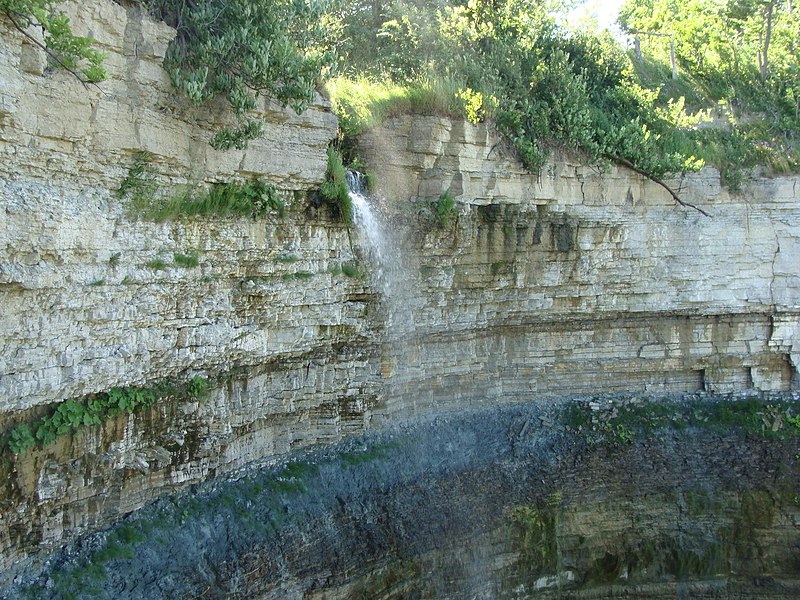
{"x": 73, "y": 53}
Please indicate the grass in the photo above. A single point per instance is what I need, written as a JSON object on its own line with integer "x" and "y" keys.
{"x": 157, "y": 264}
{"x": 352, "y": 270}
{"x": 187, "y": 261}
{"x": 253, "y": 198}
{"x": 364, "y": 103}
{"x": 249, "y": 199}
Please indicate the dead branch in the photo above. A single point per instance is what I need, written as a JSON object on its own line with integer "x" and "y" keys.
{"x": 626, "y": 163}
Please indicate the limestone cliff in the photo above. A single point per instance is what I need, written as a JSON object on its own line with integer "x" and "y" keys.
{"x": 572, "y": 280}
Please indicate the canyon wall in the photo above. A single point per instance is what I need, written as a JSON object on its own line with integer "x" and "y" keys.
{"x": 574, "y": 280}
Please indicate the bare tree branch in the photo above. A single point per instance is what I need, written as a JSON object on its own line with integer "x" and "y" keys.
{"x": 653, "y": 178}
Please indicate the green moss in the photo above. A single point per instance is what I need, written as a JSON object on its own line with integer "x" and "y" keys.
{"x": 289, "y": 480}
{"x": 635, "y": 419}
{"x": 367, "y": 455}
{"x": 533, "y": 532}
{"x": 685, "y": 564}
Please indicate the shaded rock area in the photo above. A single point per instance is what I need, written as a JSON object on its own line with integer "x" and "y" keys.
{"x": 543, "y": 499}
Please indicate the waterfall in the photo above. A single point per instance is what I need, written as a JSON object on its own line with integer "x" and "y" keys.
{"x": 388, "y": 268}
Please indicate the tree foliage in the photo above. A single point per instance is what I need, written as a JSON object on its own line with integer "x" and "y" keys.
{"x": 511, "y": 61}
{"x": 742, "y": 55}
{"x": 74, "y": 53}
{"x": 240, "y": 50}
{"x": 544, "y": 86}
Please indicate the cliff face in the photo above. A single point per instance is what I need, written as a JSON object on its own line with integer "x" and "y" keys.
{"x": 570, "y": 281}
{"x": 579, "y": 279}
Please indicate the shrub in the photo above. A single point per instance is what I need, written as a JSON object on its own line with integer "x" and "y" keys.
{"x": 71, "y": 415}
{"x": 444, "y": 209}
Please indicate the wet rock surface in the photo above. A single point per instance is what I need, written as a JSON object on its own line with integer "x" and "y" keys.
{"x": 516, "y": 501}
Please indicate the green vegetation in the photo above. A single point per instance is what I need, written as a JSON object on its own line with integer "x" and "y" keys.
{"x": 352, "y": 270}
{"x": 299, "y": 275}
{"x": 290, "y": 479}
{"x": 335, "y": 190}
{"x": 737, "y": 59}
{"x": 505, "y": 60}
{"x": 368, "y": 454}
{"x": 508, "y": 60}
{"x": 157, "y": 264}
{"x": 624, "y": 422}
{"x": 71, "y": 415}
{"x": 187, "y": 261}
{"x": 139, "y": 185}
{"x": 286, "y": 258}
{"x": 362, "y": 103}
{"x": 74, "y": 53}
{"x": 534, "y": 533}
{"x": 444, "y": 209}
{"x": 240, "y": 50}
{"x": 253, "y": 198}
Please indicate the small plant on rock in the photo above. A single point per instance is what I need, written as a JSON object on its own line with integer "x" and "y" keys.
{"x": 444, "y": 209}
{"x": 334, "y": 189}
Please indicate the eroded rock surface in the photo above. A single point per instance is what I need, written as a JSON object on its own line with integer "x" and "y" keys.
{"x": 568, "y": 281}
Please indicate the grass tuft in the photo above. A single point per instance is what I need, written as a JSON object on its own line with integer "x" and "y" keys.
{"x": 187, "y": 261}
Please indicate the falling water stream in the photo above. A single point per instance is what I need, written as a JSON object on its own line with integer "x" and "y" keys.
{"x": 388, "y": 267}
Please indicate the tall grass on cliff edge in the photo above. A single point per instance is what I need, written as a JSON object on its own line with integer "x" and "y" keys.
{"x": 363, "y": 103}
